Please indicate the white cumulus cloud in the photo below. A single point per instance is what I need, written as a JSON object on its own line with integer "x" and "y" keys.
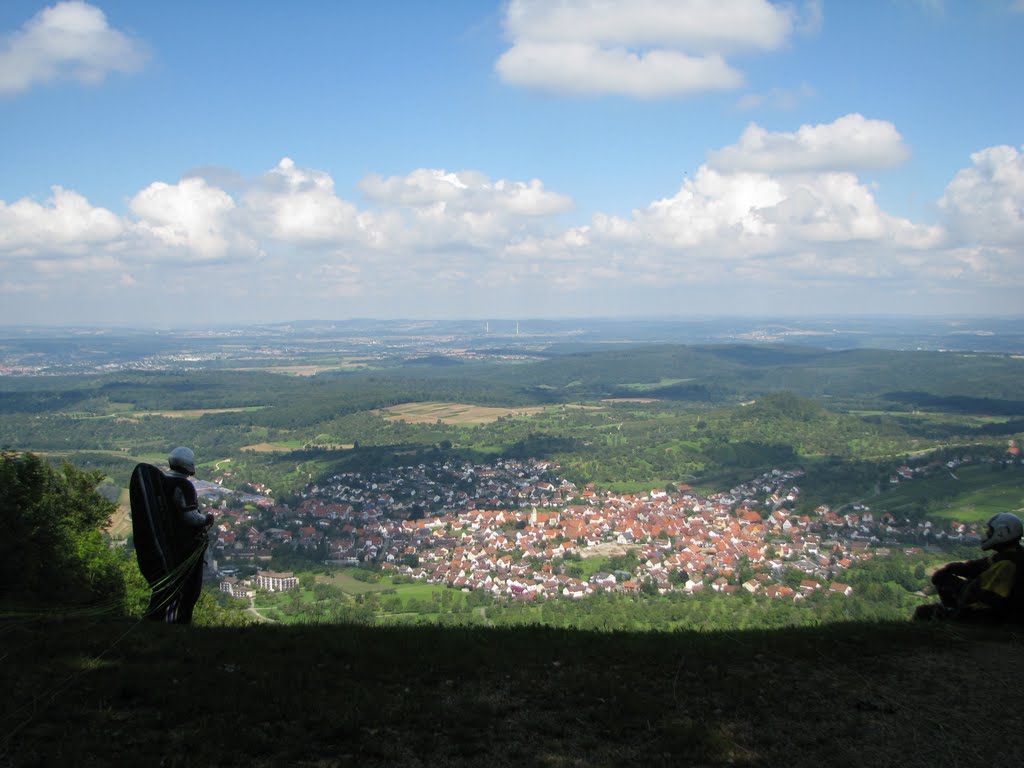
{"x": 769, "y": 219}
{"x": 189, "y": 218}
{"x": 465, "y": 191}
{"x": 645, "y": 48}
{"x": 984, "y": 204}
{"x": 435, "y": 208}
{"x": 70, "y": 40}
{"x": 852, "y": 142}
{"x": 767, "y": 223}
{"x": 698, "y": 25}
{"x": 581, "y": 68}
{"x": 423, "y": 186}
{"x": 299, "y": 205}
{"x": 66, "y": 223}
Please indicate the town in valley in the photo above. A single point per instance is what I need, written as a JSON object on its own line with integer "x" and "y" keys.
{"x": 516, "y": 531}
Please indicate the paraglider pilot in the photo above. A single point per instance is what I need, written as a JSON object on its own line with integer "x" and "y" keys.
{"x": 989, "y": 590}
{"x": 175, "y": 598}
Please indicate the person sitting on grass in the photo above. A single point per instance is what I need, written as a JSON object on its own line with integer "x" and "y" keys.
{"x": 989, "y": 590}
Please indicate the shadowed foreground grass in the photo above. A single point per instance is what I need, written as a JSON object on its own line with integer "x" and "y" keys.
{"x": 100, "y": 693}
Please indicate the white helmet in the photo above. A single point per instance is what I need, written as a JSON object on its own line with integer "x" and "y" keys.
{"x": 1003, "y": 528}
{"x": 182, "y": 460}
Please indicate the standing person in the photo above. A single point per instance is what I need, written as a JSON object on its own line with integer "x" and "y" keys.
{"x": 989, "y": 590}
{"x": 174, "y": 599}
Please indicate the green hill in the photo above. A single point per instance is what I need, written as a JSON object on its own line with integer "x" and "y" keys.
{"x": 115, "y": 692}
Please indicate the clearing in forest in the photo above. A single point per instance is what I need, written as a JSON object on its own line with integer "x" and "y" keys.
{"x": 312, "y": 368}
{"x": 195, "y": 413}
{"x": 453, "y": 413}
{"x": 120, "y": 526}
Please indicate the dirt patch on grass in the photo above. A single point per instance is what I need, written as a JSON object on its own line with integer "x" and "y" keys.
{"x": 605, "y": 550}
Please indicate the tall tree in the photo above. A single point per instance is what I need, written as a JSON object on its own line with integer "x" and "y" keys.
{"x": 52, "y": 546}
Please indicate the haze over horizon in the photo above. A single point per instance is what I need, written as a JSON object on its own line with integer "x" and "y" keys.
{"x": 180, "y": 164}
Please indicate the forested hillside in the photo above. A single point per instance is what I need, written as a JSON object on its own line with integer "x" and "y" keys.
{"x": 647, "y": 415}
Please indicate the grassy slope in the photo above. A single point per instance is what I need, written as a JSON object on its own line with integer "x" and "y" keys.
{"x": 970, "y": 494}
{"x": 849, "y": 694}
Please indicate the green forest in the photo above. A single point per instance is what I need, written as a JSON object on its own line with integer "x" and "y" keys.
{"x": 624, "y": 419}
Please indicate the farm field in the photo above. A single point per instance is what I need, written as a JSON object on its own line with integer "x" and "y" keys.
{"x": 453, "y": 413}
{"x": 307, "y": 369}
{"x": 284, "y": 446}
{"x": 644, "y": 386}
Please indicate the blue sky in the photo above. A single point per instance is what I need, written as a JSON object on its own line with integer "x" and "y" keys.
{"x": 197, "y": 163}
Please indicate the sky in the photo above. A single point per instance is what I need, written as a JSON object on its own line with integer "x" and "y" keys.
{"x": 189, "y": 163}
